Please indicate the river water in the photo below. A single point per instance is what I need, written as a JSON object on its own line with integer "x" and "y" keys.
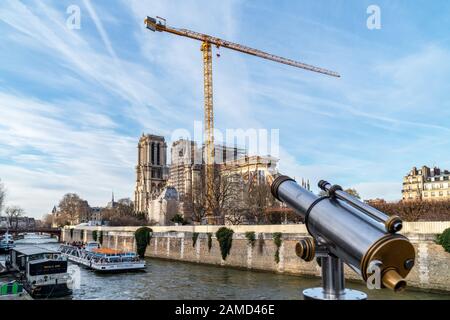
{"x": 164, "y": 279}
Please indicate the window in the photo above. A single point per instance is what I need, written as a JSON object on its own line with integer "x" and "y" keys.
{"x": 432, "y": 194}
{"x": 425, "y": 194}
{"x": 441, "y": 193}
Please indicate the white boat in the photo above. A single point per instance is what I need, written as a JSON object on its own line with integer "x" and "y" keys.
{"x": 6, "y": 242}
{"x": 33, "y": 238}
{"x": 102, "y": 259}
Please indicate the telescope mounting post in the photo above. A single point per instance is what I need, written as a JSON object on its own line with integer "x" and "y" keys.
{"x": 333, "y": 281}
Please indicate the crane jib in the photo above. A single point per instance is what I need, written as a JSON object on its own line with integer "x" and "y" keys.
{"x": 156, "y": 25}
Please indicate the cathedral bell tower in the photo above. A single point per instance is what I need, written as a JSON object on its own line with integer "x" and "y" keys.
{"x": 151, "y": 170}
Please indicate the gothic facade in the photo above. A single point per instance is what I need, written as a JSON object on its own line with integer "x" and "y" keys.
{"x": 151, "y": 170}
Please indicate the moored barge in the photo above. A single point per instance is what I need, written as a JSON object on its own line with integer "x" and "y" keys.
{"x": 42, "y": 272}
{"x": 103, "y": 259}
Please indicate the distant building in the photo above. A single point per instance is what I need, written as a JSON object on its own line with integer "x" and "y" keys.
{"x": 426, "y": 184}
{"x": 158, "y": 189}
{"x": 96, "y": 216}
{"x": 164, "y": 208}
{"x": 185, "y": 172}
{"x": 112, "y": 203}
{"x": 4, "y": 222}
{"x": 187, "y": 162}
{"x": 20, "y": 222}
{"x": 253, "y": 169}
{"x": 151, "y": 170}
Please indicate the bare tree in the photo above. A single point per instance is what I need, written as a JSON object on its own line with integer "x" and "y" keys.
{"x": 257, "y": 199}
{"x": 196, "y": 202}
{"x": 225, "y": 196}
{"x": 14, "y": 213}
{"x": 222, "y": 202}
{"x": 72, "y": 209}
{"x": 417, "y": 210}
{"x": 122, "y": 214}
{"x": 236, "y": 215}
{"x": 47, "y": 221}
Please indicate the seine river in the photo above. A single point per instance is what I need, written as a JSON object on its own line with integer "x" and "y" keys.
{"x": 178, "y": 280}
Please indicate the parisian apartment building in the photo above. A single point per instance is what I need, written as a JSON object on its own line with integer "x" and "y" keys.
{"x": 427, "y": 184}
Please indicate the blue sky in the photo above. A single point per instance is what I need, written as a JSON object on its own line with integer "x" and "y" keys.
{"x": 74, "y": 102}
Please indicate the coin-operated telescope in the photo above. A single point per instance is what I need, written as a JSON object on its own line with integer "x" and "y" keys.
{"x": 346, "y": 230}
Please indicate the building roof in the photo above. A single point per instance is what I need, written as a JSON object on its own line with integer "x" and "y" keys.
{"x": 32, "y": 250}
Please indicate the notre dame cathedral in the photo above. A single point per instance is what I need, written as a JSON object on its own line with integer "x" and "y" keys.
{"x": 151, "y": 171}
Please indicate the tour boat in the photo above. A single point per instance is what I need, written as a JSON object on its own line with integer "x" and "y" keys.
{"x": 6, "y": 242}
{"x": 102, "y": 259}
{"x": 43, "y": 272}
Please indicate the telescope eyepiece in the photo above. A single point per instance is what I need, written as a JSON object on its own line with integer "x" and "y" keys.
{"x": 392, "y": 280}
{"x": 323, "y": 185}
{"x": 330, "y": 189}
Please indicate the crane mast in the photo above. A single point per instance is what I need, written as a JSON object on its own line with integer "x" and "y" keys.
{"x": 159, "y": 24}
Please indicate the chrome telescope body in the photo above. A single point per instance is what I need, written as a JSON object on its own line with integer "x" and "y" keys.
{"x": 390, "y": 224}
{"x": 350, "y": 230}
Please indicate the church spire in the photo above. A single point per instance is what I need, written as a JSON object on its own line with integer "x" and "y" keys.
{"x": 112, "y": 199}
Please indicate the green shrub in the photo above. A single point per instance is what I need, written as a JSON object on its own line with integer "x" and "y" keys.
{"x": 94, "y": 235}
{"x": 100, "y": 237}
{"x": 225, "y": 238}
{"x": 194, "y": 238}
{"x": 143, "y": 236}
{"x": 251, "y": 237}
{"x": 209, "y": 241}
{"x": 444, "y": 239}
{"x": 277, "y": 240}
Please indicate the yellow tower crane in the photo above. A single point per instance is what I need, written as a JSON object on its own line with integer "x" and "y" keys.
{"x": 159, "y": 24}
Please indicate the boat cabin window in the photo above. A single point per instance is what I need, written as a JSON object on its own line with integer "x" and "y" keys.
{"x": 37, "y": 257}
